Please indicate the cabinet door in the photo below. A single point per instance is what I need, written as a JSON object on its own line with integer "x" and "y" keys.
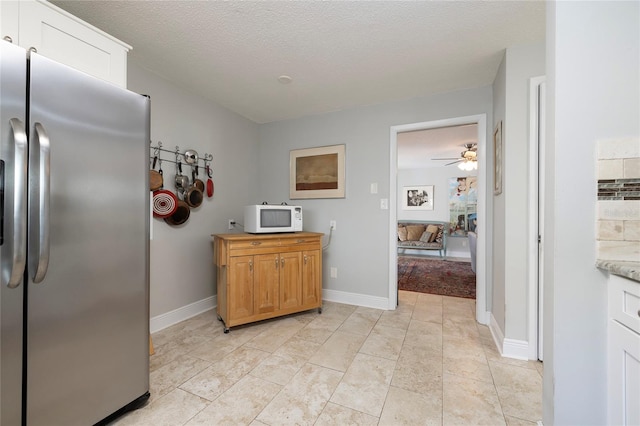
{"x": 68, "y": 40}
{"x": 241, "y": 291}
{"x": 311, "y": 283}
{"x": 624, "y": 375}
{"x": 267, "y": 270}
{"x": 290, "y": 279}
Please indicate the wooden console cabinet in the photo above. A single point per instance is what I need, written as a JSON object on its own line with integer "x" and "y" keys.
{"x": 267, "y": 275}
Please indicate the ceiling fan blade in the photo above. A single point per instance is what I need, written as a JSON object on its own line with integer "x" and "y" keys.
{"x": 454, "y": 162}
{"x": 452, "y": 158}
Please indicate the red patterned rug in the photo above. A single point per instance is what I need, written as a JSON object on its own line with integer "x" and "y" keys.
{"x": 436, "y": 276}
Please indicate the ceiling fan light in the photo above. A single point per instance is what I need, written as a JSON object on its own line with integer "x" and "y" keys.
{"x": 468, "y": 165}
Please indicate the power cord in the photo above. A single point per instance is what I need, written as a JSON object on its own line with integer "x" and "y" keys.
{"x": 329, "y": 239}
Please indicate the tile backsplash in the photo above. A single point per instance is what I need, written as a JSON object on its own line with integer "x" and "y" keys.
{"x": 618, "y": 227}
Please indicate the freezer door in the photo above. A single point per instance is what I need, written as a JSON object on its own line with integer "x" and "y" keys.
{"x": 88, "y": 311}
{"x": 13, "y": 84}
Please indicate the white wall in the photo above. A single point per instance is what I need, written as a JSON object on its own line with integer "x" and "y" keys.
{"x": 498, "y": 247}
{"x": 438, "y": 177}
{"x": 182, "y": 270}
{"x": 359, "y": 247}
{"x": 593, "y": 69}
{"x": 511, "y": 209}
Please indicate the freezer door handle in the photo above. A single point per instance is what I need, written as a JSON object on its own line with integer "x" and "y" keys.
{"x": 39, "y": 204}
{"x": 19, "y": 203}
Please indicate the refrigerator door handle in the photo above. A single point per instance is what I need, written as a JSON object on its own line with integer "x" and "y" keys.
{"x": 19, "y": 203}
{"x": 39, "y": 204}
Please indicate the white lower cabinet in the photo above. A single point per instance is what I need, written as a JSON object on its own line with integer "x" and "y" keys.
{"x": 624, "y": 352}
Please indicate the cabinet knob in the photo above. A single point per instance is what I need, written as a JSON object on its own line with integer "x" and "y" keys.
{"x": 7, "y": 38}
{"x": 300, "y": 241}
{"x": 255, "y": 243}
{"x": 639, "y": 312}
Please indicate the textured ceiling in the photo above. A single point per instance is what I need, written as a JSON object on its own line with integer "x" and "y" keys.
{"x": 340, "y": 54}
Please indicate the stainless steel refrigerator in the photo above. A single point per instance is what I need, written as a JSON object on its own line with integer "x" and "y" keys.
{"x": 74, "y": 249}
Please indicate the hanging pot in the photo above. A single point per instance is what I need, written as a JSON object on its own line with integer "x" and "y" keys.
{"x": 197, "y": 182}
{"x": 209, "y": 188}
{"x": 182, "y": 181}
{"x": 181, "y": 214}
{"x": 165, "y": 203}
{"x": 193, "y": 196}
{"x": 209, "y": 182}
{"x": 155, "y": 177}
{"x": 191, "y": 156}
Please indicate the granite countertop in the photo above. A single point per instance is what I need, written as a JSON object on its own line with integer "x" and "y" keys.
{"x": 629, "y": 270}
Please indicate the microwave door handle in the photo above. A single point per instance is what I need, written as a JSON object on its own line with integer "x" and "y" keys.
{"x": 40, "y": 197}
{"x": 19, "y": 203}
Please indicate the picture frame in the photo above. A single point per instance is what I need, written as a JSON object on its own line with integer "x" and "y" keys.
{"x": 463, "y": 205}
{"x": 417, "y": 197}
{"x": 317, "y": 172}
{"x": 497, "y": 159}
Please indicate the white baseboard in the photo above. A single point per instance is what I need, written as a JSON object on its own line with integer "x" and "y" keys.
{"x": 168, "y": 319}
{"x": 508, "y": 348}
{"x": 496, "y": 333}
{"x": 355, "y": 299}
{"x": 484, "y": 318}
{"x": 516, "y": 349}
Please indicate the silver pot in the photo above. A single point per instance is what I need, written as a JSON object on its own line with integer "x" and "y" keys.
{"x": 191, "y": 156}
{"x": 182, "y": 181}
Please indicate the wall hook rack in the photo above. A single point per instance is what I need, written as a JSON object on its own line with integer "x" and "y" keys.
{"x": 157, "y": 151}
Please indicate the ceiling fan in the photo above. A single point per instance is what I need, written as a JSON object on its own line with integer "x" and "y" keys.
{"x": 468, "y": 158}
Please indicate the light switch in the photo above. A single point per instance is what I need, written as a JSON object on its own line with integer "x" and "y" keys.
{"x": 374, "y": 188}
{"x": 384, "y": 204}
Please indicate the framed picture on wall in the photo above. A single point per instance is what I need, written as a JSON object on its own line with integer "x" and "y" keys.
{"x": 417, "y": 197}
{"x": 317, "y": 172}
{"x": 497, "y": 159}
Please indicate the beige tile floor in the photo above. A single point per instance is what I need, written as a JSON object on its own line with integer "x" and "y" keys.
{"x": 428, "y": 362}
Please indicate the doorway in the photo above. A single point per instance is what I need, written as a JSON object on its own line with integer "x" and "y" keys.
{"x": 482, "y": 228}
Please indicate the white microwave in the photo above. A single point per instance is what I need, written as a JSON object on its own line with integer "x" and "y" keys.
{"x": 271, "y": 218}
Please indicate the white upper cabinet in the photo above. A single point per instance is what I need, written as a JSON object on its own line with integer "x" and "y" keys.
{"x": 62, "y": 37}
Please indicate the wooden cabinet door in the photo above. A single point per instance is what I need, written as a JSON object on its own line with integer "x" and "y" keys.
{"x": 290, "y": 279}
{"x": 241, "y": 290}
{"x": 311, "y": 285}
{"x": 267, "y": 270}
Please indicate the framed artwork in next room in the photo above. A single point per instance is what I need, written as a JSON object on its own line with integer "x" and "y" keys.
{"x": 417, "y": 197}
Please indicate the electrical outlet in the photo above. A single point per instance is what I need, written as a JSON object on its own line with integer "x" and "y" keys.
{"x": 334, "y": 272}
{"x": 232, "y": 223}
{"x": 332, "y": 224}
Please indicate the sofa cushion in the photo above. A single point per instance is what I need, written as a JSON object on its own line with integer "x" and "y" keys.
{"x": 414, "y": 232}
{"x": 425, "y": 237}
{"x": 434, "y": 232}
{"x": 402, "y": 233}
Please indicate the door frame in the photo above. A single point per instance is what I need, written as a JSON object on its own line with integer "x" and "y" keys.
{"x": 482, "y": 316}
{"x": 536, "y": 209}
